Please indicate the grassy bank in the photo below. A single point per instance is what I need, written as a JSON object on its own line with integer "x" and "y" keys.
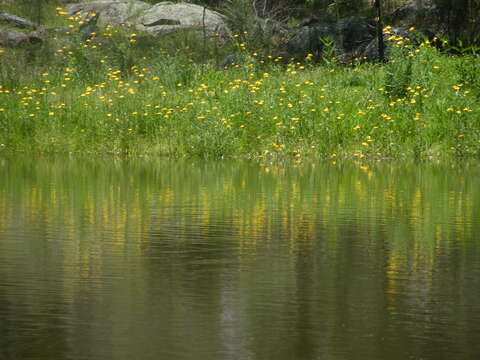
{"x": 131, "y": 96}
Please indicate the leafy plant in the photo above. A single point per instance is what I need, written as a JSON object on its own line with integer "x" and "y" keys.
{"x": 468, "y": 72}
{"x": 398, "y": 77}
{"x": 329, "y": 52}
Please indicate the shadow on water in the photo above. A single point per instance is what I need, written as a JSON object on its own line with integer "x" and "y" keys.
{"x": 184, "y": 259}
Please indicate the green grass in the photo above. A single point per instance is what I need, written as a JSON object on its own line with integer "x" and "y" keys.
{"x": 133, "y": 96}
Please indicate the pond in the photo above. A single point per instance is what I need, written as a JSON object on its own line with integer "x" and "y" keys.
{"x": 103, "y": 258}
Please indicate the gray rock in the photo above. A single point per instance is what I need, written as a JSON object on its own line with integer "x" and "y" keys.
{"x": 229, "y": 61}
{"x": 110, "y": 12}
{"x": 166, "y": 17}
{"x": 158, "y": 19}
{"x": 370, "y": 53}
{"x": 311, "y": 39}
{"x": 354, "y": 33}
{"x": 347, "y": 35}
{"x": 11, "y": 38}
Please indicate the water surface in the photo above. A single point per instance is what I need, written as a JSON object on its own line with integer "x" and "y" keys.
{"x": 160, "y": 259}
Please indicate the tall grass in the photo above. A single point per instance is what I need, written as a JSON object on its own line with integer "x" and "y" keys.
{"x": 121, "y": 93}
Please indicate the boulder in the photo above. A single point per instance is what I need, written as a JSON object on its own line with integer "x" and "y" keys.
{"x": 230, "y": 61}
{"x": 166, "y": 17}
{"x": 158, "y": 19}
{"x": 354, "y": 33}
{"x": 310, "y": 39}
{"x": 271, "y": 34}
{"x": 12, "y": 38}
{"x": 370, "y": 53}
{"x": 110, "y": 12}
{"x": 348, "y": 36}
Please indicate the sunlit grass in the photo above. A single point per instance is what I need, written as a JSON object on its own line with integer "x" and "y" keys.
{"x": 113, "y": 94}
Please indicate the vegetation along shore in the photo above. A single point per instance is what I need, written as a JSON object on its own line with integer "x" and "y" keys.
{"x": 121, "y": 92}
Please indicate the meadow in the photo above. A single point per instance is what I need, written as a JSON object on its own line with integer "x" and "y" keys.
{"x": 130, "y": 95}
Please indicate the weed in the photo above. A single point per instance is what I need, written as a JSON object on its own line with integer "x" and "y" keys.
{"x": 119, "y": 92}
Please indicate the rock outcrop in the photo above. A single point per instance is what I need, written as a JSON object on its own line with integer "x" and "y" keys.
{"x": 347, "y": 36}
{"x": 12, "y": 38}
{"x": 354, "y": 33}
{"x": 110, "y": 12}
{"x": 158, "y": 19}
{"x": 166, "y": 17}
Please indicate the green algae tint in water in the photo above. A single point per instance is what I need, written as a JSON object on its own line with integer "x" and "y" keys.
{"x": 108, "y": 259}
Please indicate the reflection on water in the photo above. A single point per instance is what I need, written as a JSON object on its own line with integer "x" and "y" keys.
{"x": 160, "y": 259}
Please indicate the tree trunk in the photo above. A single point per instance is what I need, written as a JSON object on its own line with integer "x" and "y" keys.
{"x": 381, "y": 45}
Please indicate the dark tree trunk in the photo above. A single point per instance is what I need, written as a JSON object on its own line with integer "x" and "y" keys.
{"x": 381, "y": 45}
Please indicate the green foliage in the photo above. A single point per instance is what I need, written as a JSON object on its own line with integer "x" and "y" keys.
{"x": 329, "y": 52}
{"x": 119, "y": 92}
{"x": 468, "y": 72}
{"x": 398, "y": 77}
{"x": 37, "y": 11}
{"x": 460, "y": 20}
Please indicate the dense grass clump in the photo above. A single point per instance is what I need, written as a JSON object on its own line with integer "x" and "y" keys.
{"x": 122, "y": 93}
